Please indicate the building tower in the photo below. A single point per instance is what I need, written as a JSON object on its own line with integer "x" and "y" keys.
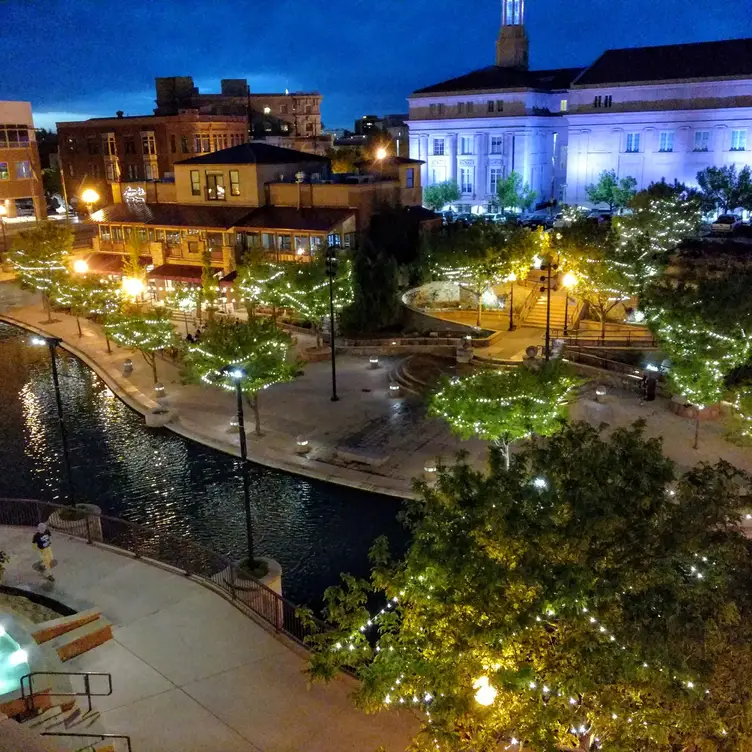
{"x": 512, "y": 46}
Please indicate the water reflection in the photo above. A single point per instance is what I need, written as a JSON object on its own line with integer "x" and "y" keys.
{"x": 157, "y": 478}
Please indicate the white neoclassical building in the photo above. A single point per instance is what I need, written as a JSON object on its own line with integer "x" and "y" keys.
{"x": 649, "y": 112}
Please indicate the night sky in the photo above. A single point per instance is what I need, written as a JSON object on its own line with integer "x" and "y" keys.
{"x": 84, "y": 58}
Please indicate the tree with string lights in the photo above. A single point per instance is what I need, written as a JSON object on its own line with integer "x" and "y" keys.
{"x": 88, "y": 295}
{"x": 39, "y": 257}
{"x": 259, "y": 282}
{"x": 505, "y": 406}
{"x": 585, "y": 599}
{"x": 149, "y": 332}
{"x": 259, "y": 350}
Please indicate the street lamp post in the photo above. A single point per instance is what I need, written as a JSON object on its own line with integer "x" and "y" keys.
{"x": 511, "y": 278}
{"x": 548, "y": 266}
{"x": 331, "y": 272}
{"x": 89, "y": 197}
{"x": 569, "y": 281}
{"x": 52, "y": 343}
{"x": 237, "y": 375}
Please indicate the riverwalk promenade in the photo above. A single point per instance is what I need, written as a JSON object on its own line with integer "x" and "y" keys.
{"x": 190, "y": 672}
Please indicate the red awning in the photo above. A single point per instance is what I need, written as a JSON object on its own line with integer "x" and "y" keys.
{"x": 111, "y": 263}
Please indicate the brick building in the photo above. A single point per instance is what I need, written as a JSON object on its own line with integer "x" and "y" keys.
{"x": 100, "y": 152}
{"x": 21, "y": 191}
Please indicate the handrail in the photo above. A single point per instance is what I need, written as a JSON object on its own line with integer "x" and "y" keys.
{"x": 101, "y": 737}
{"x": 527, "y": 306}
{"x": 183, "y": 554}
{"x": 29, "y": 702}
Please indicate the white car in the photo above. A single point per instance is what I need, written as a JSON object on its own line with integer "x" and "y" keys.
{"x": 726, "y": 223}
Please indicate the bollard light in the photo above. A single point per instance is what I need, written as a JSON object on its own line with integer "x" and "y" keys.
{"x": 159, "y": 390}
{"x": 600, "y": 393}
{"x": 302, "y": 445}
{"x": 394, "y": 390}
{"x": 127, "y": 367}
{"x": 374, "y": 361}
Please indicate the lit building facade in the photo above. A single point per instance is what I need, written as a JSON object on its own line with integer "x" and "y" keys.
{"x": 650, "y": 113}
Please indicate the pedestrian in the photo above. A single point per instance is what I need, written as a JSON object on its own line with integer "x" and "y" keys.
{"x": 43, "y": 541}
{"x": 197, "y": 336}
{"x": 189, "y": 338}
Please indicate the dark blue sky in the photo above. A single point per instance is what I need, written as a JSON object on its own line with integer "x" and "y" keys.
{"x": 80, "y": 58}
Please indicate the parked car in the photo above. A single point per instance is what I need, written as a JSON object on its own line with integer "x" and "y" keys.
{"x": 726, "y": 224}
{"x": 494, "y": 217}
{"x": 600, "y": 215}
{"x": 536, "y": 220}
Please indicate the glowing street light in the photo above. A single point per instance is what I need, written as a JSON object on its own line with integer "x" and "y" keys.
{"x": 80, "y": 266}
{"x": 133, "y": 287}
{"x": 89, "y": 196}
{"x": 485, "y": 694}
{"x": 381, "y": 154}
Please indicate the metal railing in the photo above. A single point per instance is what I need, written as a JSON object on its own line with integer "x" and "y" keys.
{"x": 527, "y": 306}
{"x": 29, "y": 699}
{"x": 183, "y": 554}
{"x": 589, "y": 339}
{"x": 98, "y": 737}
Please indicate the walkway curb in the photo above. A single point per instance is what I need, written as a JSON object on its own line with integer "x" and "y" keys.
{"x": 141, "y": 403}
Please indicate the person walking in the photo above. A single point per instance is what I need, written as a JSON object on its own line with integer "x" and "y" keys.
{"x": 43, "y": 541}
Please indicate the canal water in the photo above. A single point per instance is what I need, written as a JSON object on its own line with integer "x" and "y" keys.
{"x": 154, "y": 477}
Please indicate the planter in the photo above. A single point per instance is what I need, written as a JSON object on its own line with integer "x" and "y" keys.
{"x": 257, "y": 598}
{"x": 679, "y": 406}
{"x": 159, "y": 417}
{"x": 85, "y": 521}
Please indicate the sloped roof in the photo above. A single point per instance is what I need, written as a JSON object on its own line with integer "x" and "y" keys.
{"x": 175, "y": 215}
{"x": 291, "y": 218}
{"x": 497, "y": 78}
{"x": 256, "y": 152}
{"x": 724, "y": 59}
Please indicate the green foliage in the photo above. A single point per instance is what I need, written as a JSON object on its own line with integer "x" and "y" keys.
{"x": 40, "y": 255}
{"x": 52, "y": 180}
{"x": 259, "y": 281}
{"x": 513, "y": 194}
{"x": 611, "y": 190}
{"x": 345, "y": 158}
{"x": 437, "y": 196}
{"x": 89, "y": 295}
{"x": 132, "y": 264}
{"x": 148, "y": 332}
{"x": 209, "y": 284}
{"x": 725, "y": 189}
{"x": 504, "y": 406}
{"x": 593, "y": 602}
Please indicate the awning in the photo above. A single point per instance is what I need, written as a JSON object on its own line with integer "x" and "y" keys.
{"x": 228, "y": 279}
{"x": 111, "y": 263}
{"x": 178, "y": 273}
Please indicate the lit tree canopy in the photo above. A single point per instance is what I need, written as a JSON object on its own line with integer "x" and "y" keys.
{"x": 39, "y": 257}
{"x": 88, "y": 295}
{"x": 437, "y": 196}
{"x": 503, "y": 406}
{"x": 258, "y": 351}
{"x": 148, "y": 332}
{"x": 260, "y": 282}
{"x": 611, "y": 190}
{"x": 575, "y": 602}
{"x": 513, "y": 193}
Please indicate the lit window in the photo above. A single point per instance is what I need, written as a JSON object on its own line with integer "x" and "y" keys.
{"x": 148, "y": 143}
{"x": 466, "y": 145}
{"x": 195, "y": 183}
{"x": 739, "y": 140}
{"x": 466, "y": 180}
{"x": 148, "y": 171}
{"x": 410, "y": 177}
{"x": 215, "y": 187}
{"x": 109, "y": 170}
{"x": 23, "y": 170}
{"x": 666, "y": 141}
{"x": 495, "y": 175}
{"x": 438, "y": 147}
{"x": 497, "y": 144}
{"x": 267, "y": 110}
{"x": 702, "y": 140}
{"x": 563, "y": 105}
{"x": 4, "y": 174}
{"x": 633, "y": 142}
{"x": 234, "y": 183}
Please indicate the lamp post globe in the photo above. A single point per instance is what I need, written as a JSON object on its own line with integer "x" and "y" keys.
{"x": 89, "y": 196}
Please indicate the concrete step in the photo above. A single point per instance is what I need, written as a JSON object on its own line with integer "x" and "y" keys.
{"x": 82, "y": 639}
{"x": 48, "y": 630}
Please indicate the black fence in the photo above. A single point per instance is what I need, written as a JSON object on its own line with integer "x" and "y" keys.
{"x": 181, "y": 553}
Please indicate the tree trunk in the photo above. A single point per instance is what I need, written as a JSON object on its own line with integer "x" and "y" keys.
{"x": 78, "y": 324}
{"x": 603, "y": 325}
{"x": 480, "y": 308}
{"x": 151, "y": 360}
{"x": 46, "y": 307}
{"x": 505, "y": 446}
{"x": 256, "y": 414}
{"x": 697, "y": 429}
{"x": 107, "y": 340}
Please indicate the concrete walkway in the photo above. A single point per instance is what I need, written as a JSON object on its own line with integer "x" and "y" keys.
{"x": 190, "y": 672}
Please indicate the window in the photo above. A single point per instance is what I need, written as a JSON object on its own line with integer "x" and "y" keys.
{"x": 442, "y": 109}
{"x": 195, "y": 183}
{"x": 201, "y": 143}
{"x": 335, "y": 240}
{"x": 234, "y": 183}
{"x": 316, "y": 242}
{"x": 497, "y": 144}
{"x": 460, "y": 108}
{"x": 309, "y": 110}
{"x": 702, "y": 140}
{"x": 495, "y": 175}
{"x": 117, "y": 234}
{"x": 172, "y": 238}
{"x": 14, "y": 135}
{"x": 283, "y": 109}
{"x": 410, "y": 177}
{"x": 173, "y": 143}
{"x": 4, "y": 174}
{"x": 666, "y": 141}
{"x": 563, "y": 105}
{"x": 23, "y": 170}
{"x": 92, "y": 145}
{"x": 633, "y": 142}
{"x": 267, "y": 241}
{"x": 148, "y": 143}
{"x": 132, "y": 171}
{"x": 215, "y": 186}
{"x": 108, "y": 144}
{"x": 104, "y": 233}
{"x": 470, "y": 108}
{"x": 149, "y": 171}
{"x": 285, "y": 243}
{"x": 466, "y": 179}
{"x": 466, "y": 145}
{"x": 490, "y": 105}
{"x": 438, "y": 147}
{"x": 432, "y": 110}
{"x": 184, "y": 144}
{"x": 739, "y": 140}
{"x": 130, "y": 146}
{"x": 499, "y": 105}
{"x": 109, "y": 171}
{"x": 598, "y": 102}
{"x": 608, "y": 101}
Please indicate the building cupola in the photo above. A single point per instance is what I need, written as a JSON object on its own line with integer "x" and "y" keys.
{"x": 512, "y": 47}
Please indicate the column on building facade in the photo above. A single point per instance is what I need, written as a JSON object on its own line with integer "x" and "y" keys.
{"x": 424, "y": 152}
{"x": 452, "y": 149}
{"x": 481, "y": 168}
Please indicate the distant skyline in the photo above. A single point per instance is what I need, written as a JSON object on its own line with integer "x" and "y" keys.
{"x": 90, "y": 58}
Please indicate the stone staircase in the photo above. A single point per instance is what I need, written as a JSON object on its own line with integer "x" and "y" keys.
{"x": 537, "y": 315}
{"x": 70, "y": 636}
